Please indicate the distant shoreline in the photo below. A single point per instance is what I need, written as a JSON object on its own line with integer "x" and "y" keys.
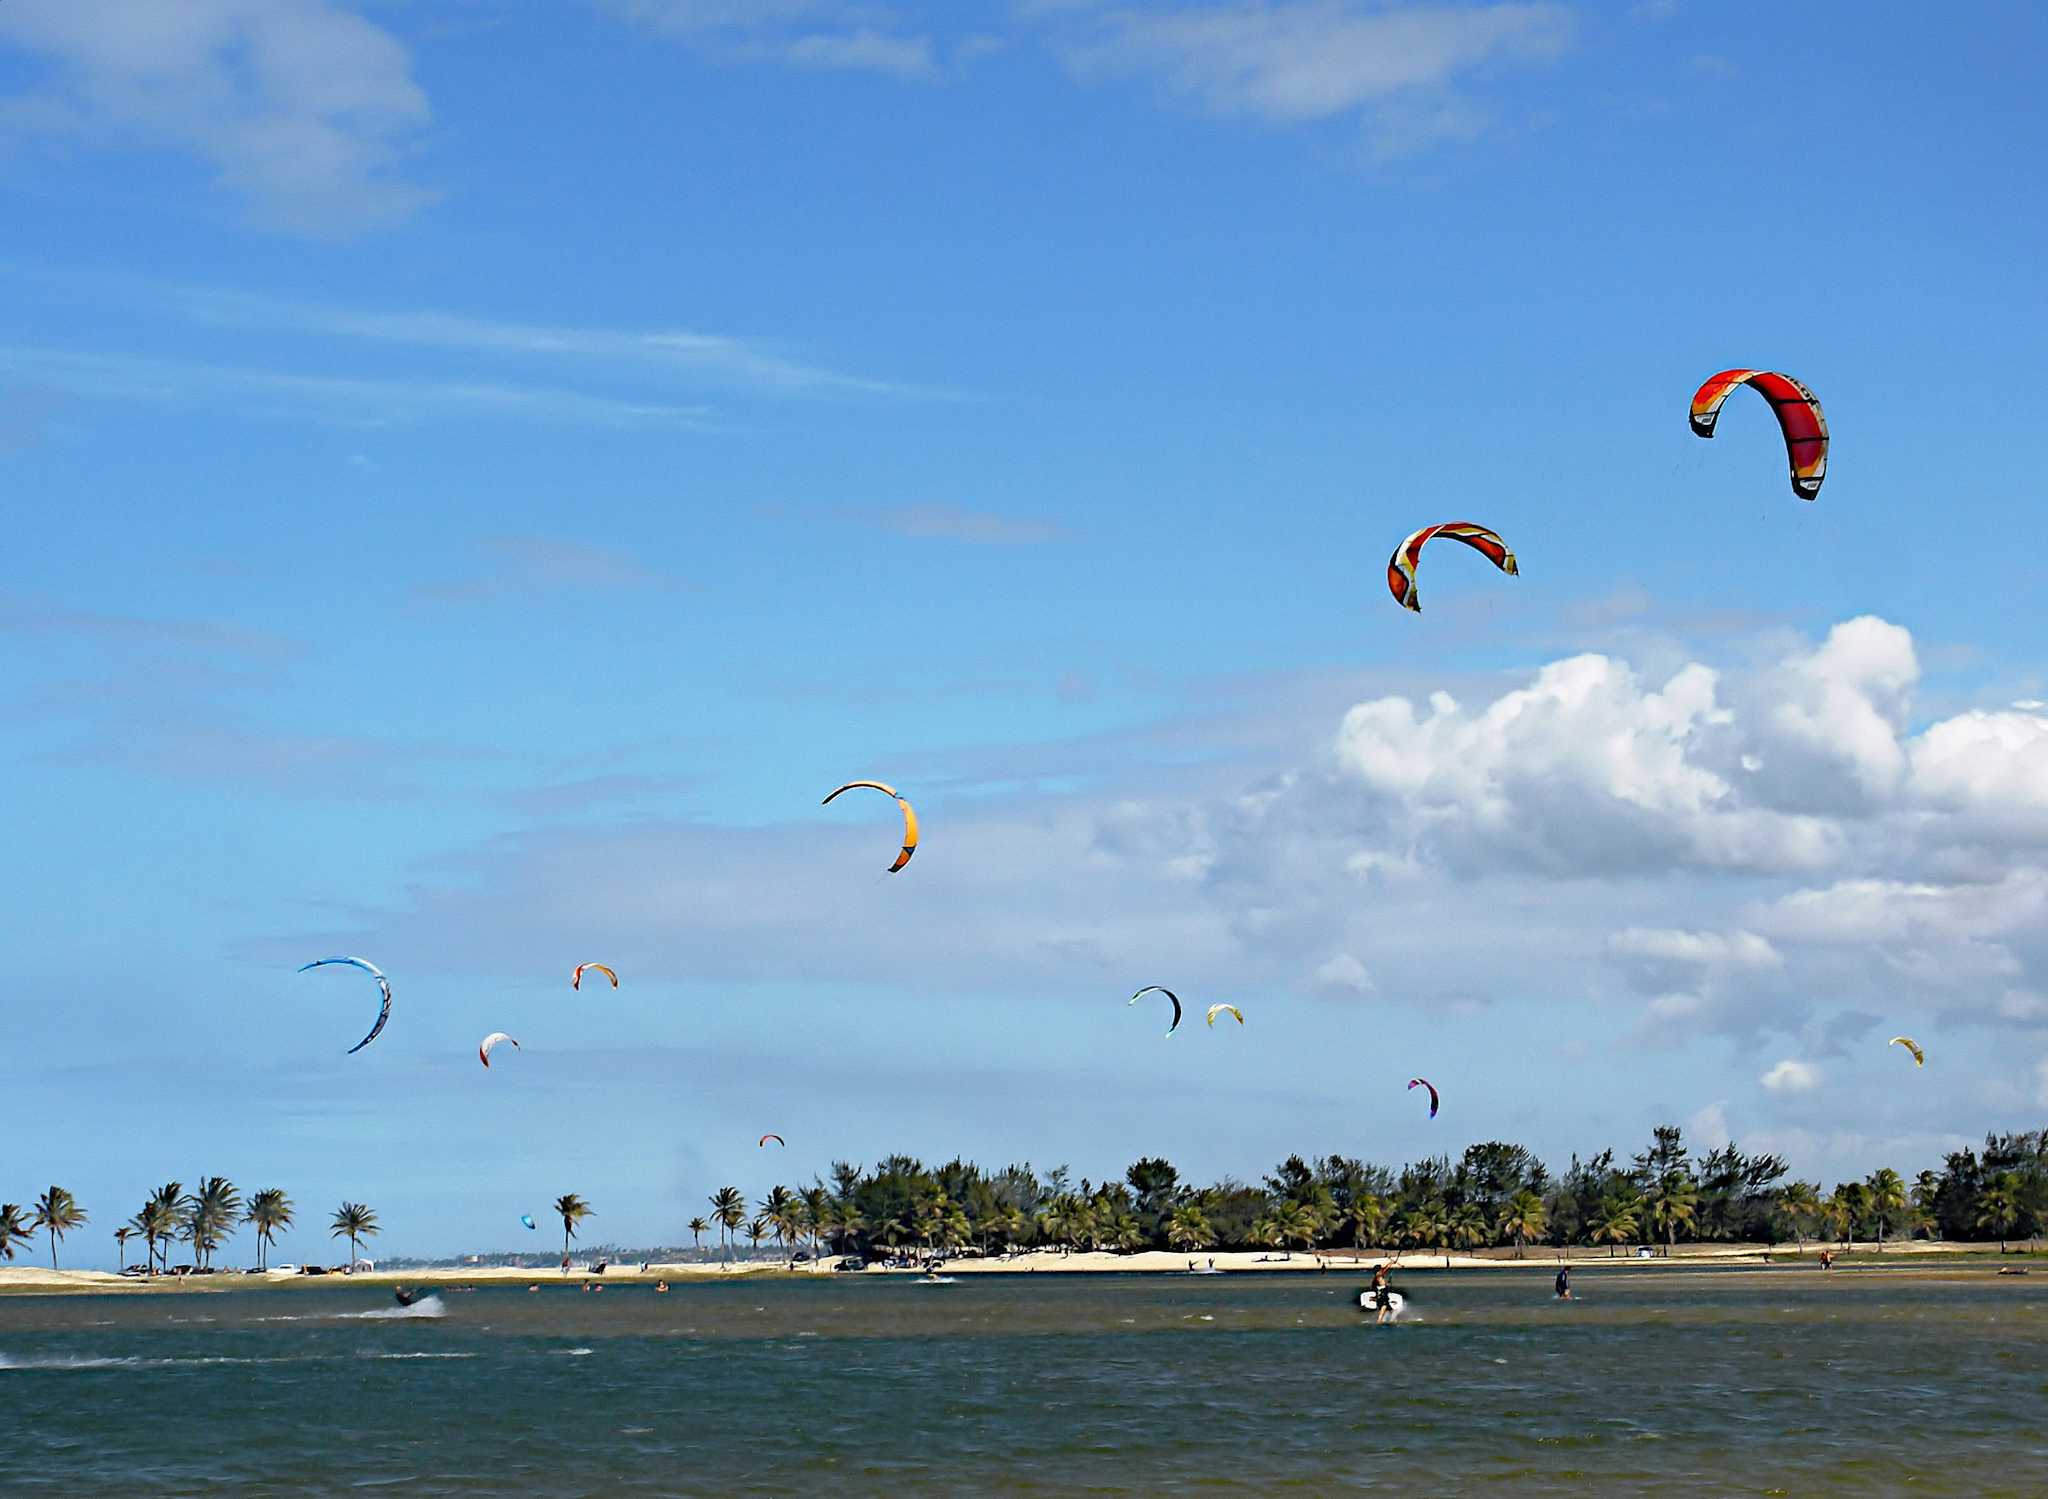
{"x": 1923, "y": 1256}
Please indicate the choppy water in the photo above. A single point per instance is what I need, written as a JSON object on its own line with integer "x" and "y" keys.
{"x": 1683, "y": 1383}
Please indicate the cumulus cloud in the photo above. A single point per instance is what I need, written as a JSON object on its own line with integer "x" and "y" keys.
{"x": 300, "y": 106}
{"x": 1791, "y": 1076}
{"x": 1532, "y": 847}
{"x": 1704, "y": 949}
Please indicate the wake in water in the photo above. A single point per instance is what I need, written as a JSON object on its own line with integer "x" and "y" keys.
{"x": 426, "y": 1306}
{"x": 68, "y": 1361}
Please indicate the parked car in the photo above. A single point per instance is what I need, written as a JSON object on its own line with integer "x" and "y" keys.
{"x": 851, "y": 1262}
{"x": 284, "y": 1269}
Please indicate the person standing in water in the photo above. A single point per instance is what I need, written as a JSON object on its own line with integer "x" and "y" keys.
{"x": 1564, "y": 1284}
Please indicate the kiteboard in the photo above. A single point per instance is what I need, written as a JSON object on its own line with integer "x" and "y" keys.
{"x": 1367, "y": 1302}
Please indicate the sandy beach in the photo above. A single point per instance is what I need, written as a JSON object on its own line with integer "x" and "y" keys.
{"x": 1925, "y": 1255}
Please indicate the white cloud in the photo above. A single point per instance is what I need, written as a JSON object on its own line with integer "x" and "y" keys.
{"x": 300, "y": 106}
{"x": 1791, "y": 1076}
{"x": 1586, "y": 771}
{"x": 727, "y": 359}
{"x": 1301, "y": 60}
{"x": 372, "y": 400}
{"x": 1704, "y": 949}
{"x": 2041, "y": 1083}
{"x": 864, "y": 50}
{"x": 1709, "y": 1126}
{"x": 820, "y": 34}
{"x": 1344, "y": 972}
{"x": 1533, "y": 847}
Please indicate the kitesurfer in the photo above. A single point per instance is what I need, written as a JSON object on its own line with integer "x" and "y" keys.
{"x": 405, "y": 1297}
{"x": 1382, "y": 1294}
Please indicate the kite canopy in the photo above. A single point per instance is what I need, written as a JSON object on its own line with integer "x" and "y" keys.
{"x": 527, "y": 1219}
{"x": 1423, "y": 1082}
{"x": 576, "y": 978}
{"x": 1919, "y": 1056}
{"x": 909, "y": 818}
{"x": 383, "y": 984}
{"x": 1401, "y": 566}
{"x": 483, "y": 1051}
{"x": 776, "y": 1138}
{"x": 1215, "y": 1010}
{"x": 1159, "y": 989}
{"x": 1799, "y": 418}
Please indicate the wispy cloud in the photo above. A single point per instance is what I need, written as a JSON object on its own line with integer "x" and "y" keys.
{"x": 24, "y": 615}
{"x": 723, "y": 358}
{"x": 373, "y": 400}
{"x": 822, "y": 34}
{"x": 302, "y": 108}
{"x": 957, "y": 523}
{"x": 524, "y": 565}
{"x": 1294, "y": 61}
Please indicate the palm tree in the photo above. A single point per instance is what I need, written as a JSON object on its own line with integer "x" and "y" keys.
{"x": 57, "y": 1211}
{"x": 1006, "y": 1224}
{"x": 1617, "y": 1223}
{"x": 1852, "y": 1206}
{"x": 1298, "y": 1224}
{"x": 12, "y": 1230}
{"x": 1429, "y": 1225}
{"x": 1926, "y": 1190}
{"x": 848, "y": 1222}
{"x": 572, "y": 1210}
{"x": 122, "y": 1235}
{"x": 728, "y": 1211}
{"x": 1999, "y": 1206}
{"x": 698, "y": 1228}
{"x": 1187, "y": 1228}
{"x": 1800, "y": 1203}
{"x": 757, "y": 1230}
{"x": 1887, "y": 1197}
{"x": 1265, "y": 1232}
{"x": 818, "y": 1214}
{"x": 160, "y": 1217}
{"x": 1468, "y": 1229}
{"x": 1522, "y": 1219}
{"x": 357, "y": 1222}
{"x": 210, "y": 1216}
{"x": 270, "y": 1210}
{"x": 1674, "y": 1206}
{"x": 1364, "y": 1217}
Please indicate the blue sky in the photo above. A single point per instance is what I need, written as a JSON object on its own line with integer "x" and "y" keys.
{"x": 482, "y": 472}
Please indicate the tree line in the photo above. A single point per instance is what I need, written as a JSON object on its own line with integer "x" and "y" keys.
{"x": 205, "y": 1219}
{"x": 1495, "y": 1194}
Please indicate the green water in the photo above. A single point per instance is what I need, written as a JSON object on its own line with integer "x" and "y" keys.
{"x": 1678, "y": 1383}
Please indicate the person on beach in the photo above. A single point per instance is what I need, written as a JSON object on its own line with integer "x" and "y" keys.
{"x": 1564, "y": 1285}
